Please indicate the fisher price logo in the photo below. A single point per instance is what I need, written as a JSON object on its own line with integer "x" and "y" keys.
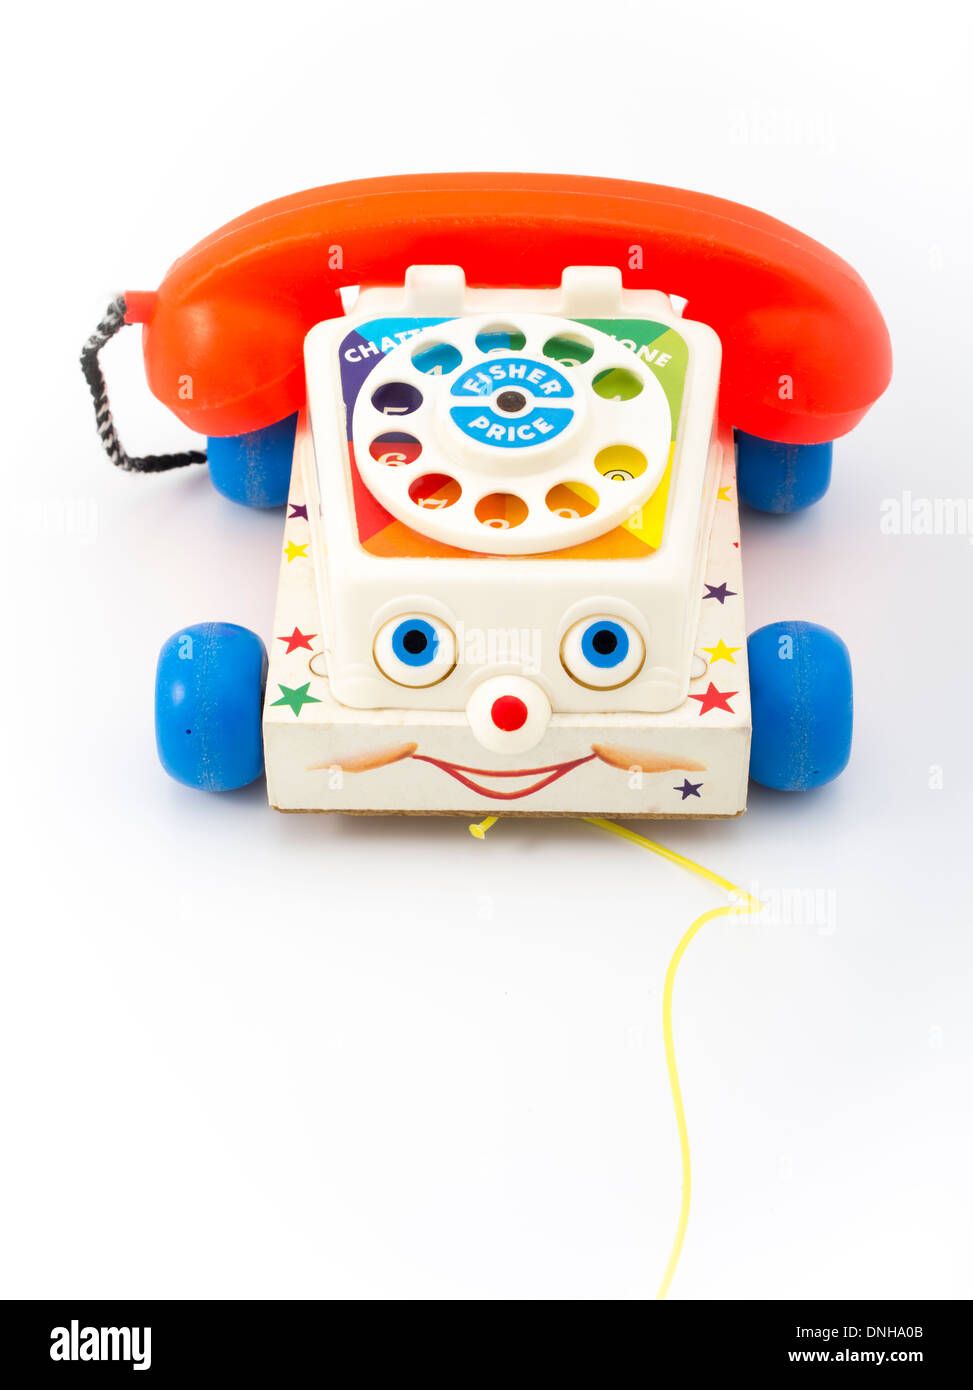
{"x": 516, "y": 403}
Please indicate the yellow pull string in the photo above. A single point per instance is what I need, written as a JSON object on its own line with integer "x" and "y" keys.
{"x": 676, "y": 1089}
{"x": 743, "y": 904}
{"x": 479, "y": 830}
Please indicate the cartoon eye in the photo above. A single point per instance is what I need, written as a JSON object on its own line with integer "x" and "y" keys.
{"x": 415, "y": 650}
{"x": 602, "y": 652}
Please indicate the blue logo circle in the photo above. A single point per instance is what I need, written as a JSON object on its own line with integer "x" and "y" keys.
{"x": 522, "y": 402}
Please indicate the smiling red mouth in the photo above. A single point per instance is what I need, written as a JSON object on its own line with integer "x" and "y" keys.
{"x": 545, "y": 775}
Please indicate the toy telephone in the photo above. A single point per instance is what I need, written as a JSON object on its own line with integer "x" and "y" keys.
{"x": 510, "y": 575}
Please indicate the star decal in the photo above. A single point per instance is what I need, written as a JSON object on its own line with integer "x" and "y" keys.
{"x": 297, "y": 510}
{"x": 688, "y": 788}
{"x": 303, "y": 639}
{"x": 297, "y": 699}
{"x": 293, "y": 551}
{"x": 720, "y": 592}
{"x": 713, "y": 699}
{"x": 721, "y": 652}
{"x": 723, "y": 493}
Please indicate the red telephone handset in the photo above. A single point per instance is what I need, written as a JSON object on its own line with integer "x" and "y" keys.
{"x": 806, "y": 351}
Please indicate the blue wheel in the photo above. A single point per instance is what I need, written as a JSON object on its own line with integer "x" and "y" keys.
{"x": 208, "y": 696}
{"x": 781, "y": 478}
{"x": 254, "y": 469}
{"x": 800, "y": 692}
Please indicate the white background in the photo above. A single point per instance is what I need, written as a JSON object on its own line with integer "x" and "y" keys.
{"x": 249, "y": 1054}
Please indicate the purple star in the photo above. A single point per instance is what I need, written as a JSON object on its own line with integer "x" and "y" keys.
{"x": 720, "y": 591}
{"x": 297, "y": 511}
{"x": 688, "y": 788}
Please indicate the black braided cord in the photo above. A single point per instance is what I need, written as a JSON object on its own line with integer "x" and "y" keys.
{"x": 154, "y": 463}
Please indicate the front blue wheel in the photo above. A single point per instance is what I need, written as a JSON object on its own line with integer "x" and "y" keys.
{"x": 801, "y": 698}
{"x": 208, "y": 697}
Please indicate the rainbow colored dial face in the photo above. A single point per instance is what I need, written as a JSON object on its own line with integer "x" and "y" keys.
{"x": 520, "y": 403}
{"x": 659, "y": 347}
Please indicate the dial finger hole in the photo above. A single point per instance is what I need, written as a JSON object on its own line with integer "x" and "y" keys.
{"x": 397, "y": 398}
{"x": 501, "y": 510}
{"x": 568, "y": 349}
{"x": 500, "y": 337}
{"x": 617, "y": 384}
{"x": 437, "y": 359}
{"x": 434, "y": 491}
{"x": 571, "y": 500}
{"x": 395, "y": 449}
{"x": 620, "y": 463}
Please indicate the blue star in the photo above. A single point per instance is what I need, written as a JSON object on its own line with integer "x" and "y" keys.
{"x": 688, "y": 788}
{"x": 720, "y": 591}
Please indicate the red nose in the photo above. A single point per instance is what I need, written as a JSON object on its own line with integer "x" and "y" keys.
{"x": 509, "y": 713}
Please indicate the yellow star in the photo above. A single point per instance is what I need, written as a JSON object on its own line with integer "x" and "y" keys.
{"x": 721, "y": 652}
{"x": 723, "y": 493}
{"x": 292, "y": 551}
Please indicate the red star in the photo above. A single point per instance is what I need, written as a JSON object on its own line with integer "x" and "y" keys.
{"x": 715, "y": 699}
{"x": 297, "y": 639}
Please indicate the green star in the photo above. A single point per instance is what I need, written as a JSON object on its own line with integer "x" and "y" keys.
{"x": 297, "y": 699}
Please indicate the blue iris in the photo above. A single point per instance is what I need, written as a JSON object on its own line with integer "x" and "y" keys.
{"x": 604, "y": 643}
{"x": 415, "y": 642}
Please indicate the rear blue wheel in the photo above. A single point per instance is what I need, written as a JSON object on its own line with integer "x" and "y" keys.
{"x": 781, "y": 478}
{"x": 254, "y": 469}
{"x": 801, "y": 698}
{"x": 208, "y": 696}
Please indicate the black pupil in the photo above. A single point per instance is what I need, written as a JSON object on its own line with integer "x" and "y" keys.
{"x": 604, "y": 642}
{"x": 415, "y": 641}
{"x": 511, "y": 401}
